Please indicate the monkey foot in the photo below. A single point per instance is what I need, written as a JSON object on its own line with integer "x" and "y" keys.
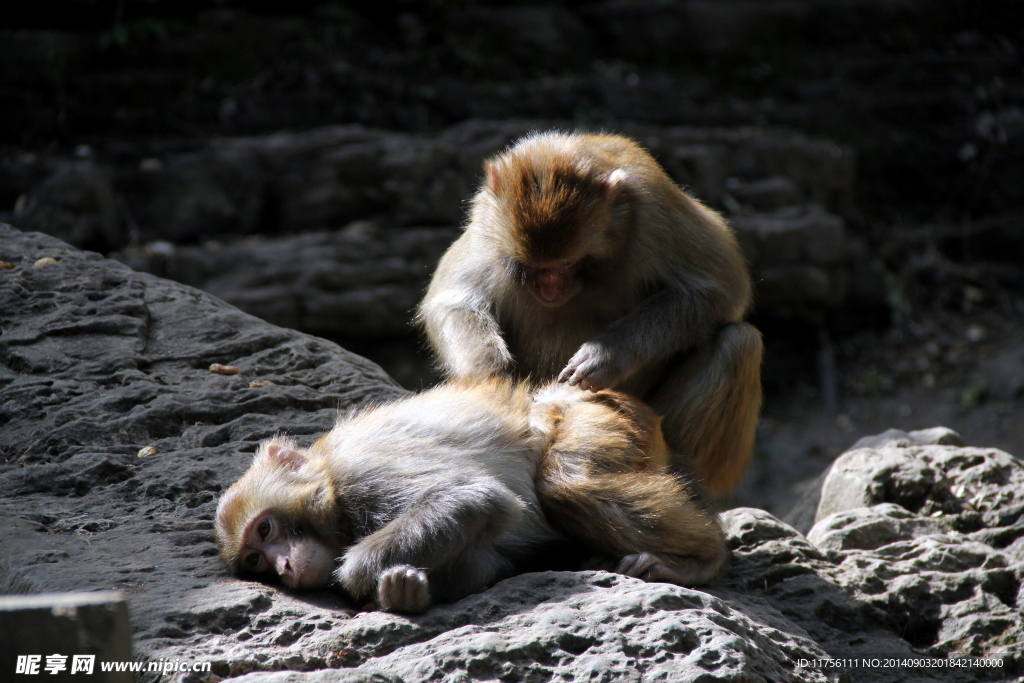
{"x": 403, "y": 589}
{"x": 650, "y": 567}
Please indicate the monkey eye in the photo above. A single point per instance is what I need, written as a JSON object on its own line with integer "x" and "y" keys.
{"x": 252, "y": 560}
{"x": 264, "y": 528}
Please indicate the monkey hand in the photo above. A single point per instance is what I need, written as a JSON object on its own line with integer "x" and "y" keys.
{"x": 594, "y": 366}
{"x": 403, "y": 589}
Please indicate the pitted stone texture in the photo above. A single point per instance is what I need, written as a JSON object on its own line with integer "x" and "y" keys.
{"x": 569, "y": 626}
{"x": 972, "y": 483}
{"x": 98, "y": 362}
{"x": 930, "y": 535}
{"x": 362, "y": 282}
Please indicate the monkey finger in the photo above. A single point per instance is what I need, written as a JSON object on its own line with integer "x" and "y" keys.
{"x": 577, "y": 373}
{"x": 568, "y": 375}
{"x": 596, "y": 379}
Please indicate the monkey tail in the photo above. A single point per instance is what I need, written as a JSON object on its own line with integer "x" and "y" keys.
{"x": 626, "y": 513}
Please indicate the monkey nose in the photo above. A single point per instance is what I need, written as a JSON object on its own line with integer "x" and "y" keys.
{"x": 549, "y": 276}
{"x": 285, "y": 570}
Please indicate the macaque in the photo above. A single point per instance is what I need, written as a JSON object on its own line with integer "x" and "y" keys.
{"x": 440, "y": 494}
{"x": 583, "y": 262}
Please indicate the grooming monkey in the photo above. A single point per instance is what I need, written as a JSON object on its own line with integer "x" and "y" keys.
{"x": 583, "y": 261}
{"x": 437, "y": 495}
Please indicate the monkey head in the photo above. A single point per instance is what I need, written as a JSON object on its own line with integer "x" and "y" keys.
{"x": 279, "y": 519}
{"x": 557, "y": 215}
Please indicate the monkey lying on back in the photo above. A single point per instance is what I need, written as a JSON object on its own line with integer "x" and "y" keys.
{"x": 583, "y": 261}
{"x": 436, "y": 495}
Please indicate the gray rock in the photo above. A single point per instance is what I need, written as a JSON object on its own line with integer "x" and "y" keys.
{"x": 795, "y": 234}
{"x": 769, "y": 193}
{"x": 552, "y": 37}
{"x": 326, "y": 177}
{"x": 360, "y": 282}
{"x": 365, "y": 285}
{"x": 847, "y": 485}
{"x": 921, "y": 478}
{"x": 868, "y": 528}
{"x": 98, "y": 362}
{"x": 76, "y": 203}
{"x": 930, "y": 534}
{"x": 936, "y": 436}
{"x": 573, "y": 626}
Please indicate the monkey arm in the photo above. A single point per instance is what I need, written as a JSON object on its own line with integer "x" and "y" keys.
{"x": 672, "y": 319}
{"x": 446, "y": 522}
{"x": 466, "y": 338}
{"x": 458, "y": 318}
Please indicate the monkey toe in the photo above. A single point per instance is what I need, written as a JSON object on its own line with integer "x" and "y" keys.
{"x": 403, "y": 589}
{"x": 652, "y": 568}
{"x": 648, "y": 567}
{"x": 637, "y": 565}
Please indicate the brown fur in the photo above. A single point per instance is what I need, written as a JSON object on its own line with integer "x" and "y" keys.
{"x": 437, "y": 494}
{"x": 604, "y": 481}
{"x": 658, "y": 292}
{"x": 549, "y": 203}
{"x": 710, "y": 403}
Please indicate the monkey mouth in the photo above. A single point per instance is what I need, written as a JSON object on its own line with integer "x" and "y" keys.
{"x": 553, "y": 299}
{"x": 554, "y": 286}
{"x": 550, "y": 293}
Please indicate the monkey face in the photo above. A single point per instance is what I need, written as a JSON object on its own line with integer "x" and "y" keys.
{"x": 278, "y": 519}
{"x": 551, "y": 210}
{"x": 272, "y": 546}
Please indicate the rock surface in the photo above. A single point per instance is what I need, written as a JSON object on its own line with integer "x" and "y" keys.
{"x": 361, "y": 282}
{"x": 98, "y": 362}
{"x": 784, "y": 194}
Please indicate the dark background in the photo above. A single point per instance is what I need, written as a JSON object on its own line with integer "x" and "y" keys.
{"x": 144, "y": 129}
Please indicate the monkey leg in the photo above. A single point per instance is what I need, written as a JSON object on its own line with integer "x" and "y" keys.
{"x": 647, "y": 521}
{"x": 709, "y": 405}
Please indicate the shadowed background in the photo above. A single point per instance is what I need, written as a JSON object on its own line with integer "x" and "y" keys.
{"x": 309, "y": 166}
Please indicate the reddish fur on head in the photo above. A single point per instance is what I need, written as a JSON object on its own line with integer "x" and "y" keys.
{"x": 557, "y": 208}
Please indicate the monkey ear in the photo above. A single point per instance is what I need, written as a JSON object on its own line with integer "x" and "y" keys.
{"x": 613, "y": 184}
{"x": 283, "y": 454}
{"x": 493, "y": 179}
